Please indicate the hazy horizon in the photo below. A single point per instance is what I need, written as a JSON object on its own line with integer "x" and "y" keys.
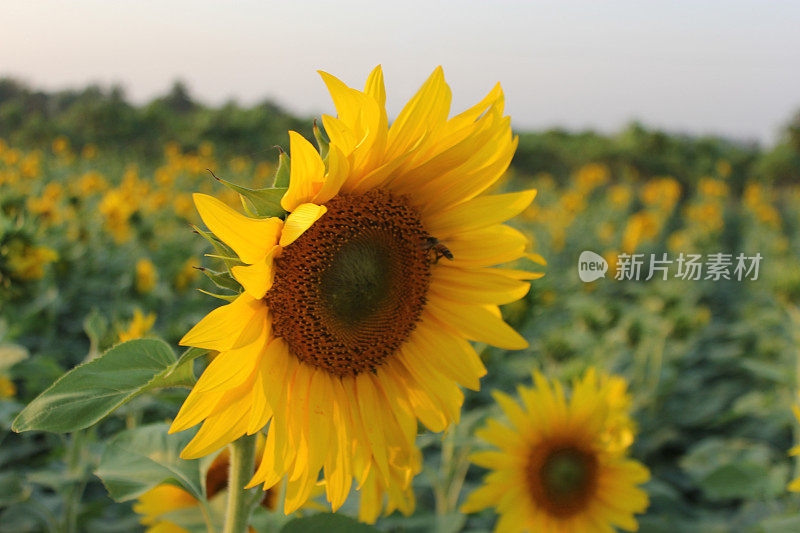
{"x": 716, "y": 68}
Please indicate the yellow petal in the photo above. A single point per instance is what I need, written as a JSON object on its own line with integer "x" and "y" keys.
{"x": 375, "y": 87}
{"x": 299, "y": 220}
{"x": 476, "y": 286}
{"x": 425, "y": 111}
{"x": 257, "y": 278}
{"x": 486, "y": 246}
{"x": 306, "y": 172}
{"x": 230, "y": 326}
{"x": 338, "y": 171}
{"x": 478, "y": 213}
{"x": 476, "y": 323}
{"x": 250, "y": 238}
{"x": 219, "y": 430}
{"x": 348, "y": 101}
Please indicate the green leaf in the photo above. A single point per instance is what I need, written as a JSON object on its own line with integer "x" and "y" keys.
{"x": 138, "y": 459}
{"x": 330, "y": 523}
{"x": 780, "y": 524}
{"x": 92, "y": 390}
{"x": 283, "y": 172}
{"x": 190, "y": 355}
{"x": 737, "y": 480}
{"x": 12, "y": 489}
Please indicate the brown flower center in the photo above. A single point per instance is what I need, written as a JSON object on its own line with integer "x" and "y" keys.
{"x": 349, "y": 291}
{"x": 562, "y": 478}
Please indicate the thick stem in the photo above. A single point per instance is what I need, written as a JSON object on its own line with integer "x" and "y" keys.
{"x": 242, "y": 460}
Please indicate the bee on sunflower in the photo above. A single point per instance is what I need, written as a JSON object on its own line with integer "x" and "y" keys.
{"x": 358, "y": 304}
{"x": 561, "y": 465}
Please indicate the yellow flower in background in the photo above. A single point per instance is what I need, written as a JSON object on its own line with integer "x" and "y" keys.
{"x": 159, "y": 501}
{"x": 7, "y": 387}
{"x": 560, "y": 465}
{"x": 794, "y": 486}
{"x": 706, "y": 214}
{"x": 60, "y": 145}
{"x": 89, "y": 152}
{"x": 356, "y": 311}
{"x": 47, "y": 205}
{"x": 90, "y": 183}
{"x": 28, "y": 262}
{"x": 591, "y": 176}
{"x": 116, "y": 211}
{"x": 138, "y": 327}
{"x": 619, "y": 195}
{"x": 146, "y": 276}
{"x": 662, "y": 193}
{"x": 642, "y": 226}
{"x": 712, "y": 187}
{"x": 187, "y": 274}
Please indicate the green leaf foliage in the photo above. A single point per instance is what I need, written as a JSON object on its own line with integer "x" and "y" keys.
{"x": 137, "y": 460}
{"x": 330, "y": 523}
{"x": 91, "y": 391}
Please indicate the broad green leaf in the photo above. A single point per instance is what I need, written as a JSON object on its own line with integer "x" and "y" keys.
{"x": 330, "y": 523}
{"x": 92, "y": 390}
{"x": 138, "y": 459}
{"x": 780, "y": 524}
{"x": 737, "y": 480}
{"x": 12, "y": 489}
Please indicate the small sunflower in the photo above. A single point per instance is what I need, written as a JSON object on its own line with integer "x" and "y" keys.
{"x": 561, "y": 464}
{"x": 357, "y": 308}
{"x": 158, "y": 503}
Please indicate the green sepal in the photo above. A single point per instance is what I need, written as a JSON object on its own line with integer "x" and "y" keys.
{"x": 226, "y": 297}
{"x": 283, "y": 172}
{"x": 223, "y": 252}
{"x": 322, "y": 143}
{"x": 263, "y": 202}
{"x": 223, "y": 280}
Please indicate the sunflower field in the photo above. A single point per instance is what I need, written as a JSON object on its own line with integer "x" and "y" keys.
{"x": 106, "y": 264}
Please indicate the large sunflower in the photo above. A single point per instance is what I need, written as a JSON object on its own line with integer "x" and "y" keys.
{"x": 561, "y": 466}
{"x": 357, "y": 308}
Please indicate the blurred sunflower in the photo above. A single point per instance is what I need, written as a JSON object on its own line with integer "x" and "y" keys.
{"x": 561, "y": 464}
{"x": 158, "y": 503}
{"x": 356, "y": 309}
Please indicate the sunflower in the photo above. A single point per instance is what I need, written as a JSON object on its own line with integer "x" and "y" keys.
{"x": 356, "y": 310}
{"x": 562, "y": 464}
{"x": 158, "y": 503}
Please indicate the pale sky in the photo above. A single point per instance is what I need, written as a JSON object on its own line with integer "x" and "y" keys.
{"x": 724, "y": 67}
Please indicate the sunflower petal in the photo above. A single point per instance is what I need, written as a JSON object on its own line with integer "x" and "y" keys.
{"x": 299, "y": 220}
{"x": 250, "y": 238}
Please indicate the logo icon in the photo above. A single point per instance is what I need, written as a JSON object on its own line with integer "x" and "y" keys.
{"x": 591, "y": 266}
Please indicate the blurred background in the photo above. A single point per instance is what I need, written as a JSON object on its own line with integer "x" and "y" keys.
{"x": 659, "y": 127}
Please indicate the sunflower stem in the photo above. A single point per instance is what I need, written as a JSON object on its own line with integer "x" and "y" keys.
{"x": 237, "y": 514}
